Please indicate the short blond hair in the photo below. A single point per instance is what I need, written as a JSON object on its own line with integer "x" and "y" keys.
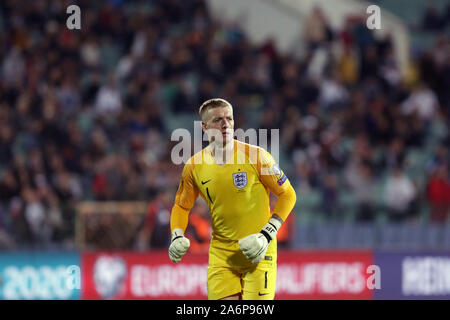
{"x": 213, "y": 103}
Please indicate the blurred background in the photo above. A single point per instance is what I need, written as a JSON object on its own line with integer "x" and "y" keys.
{"x": 86, "y": 118}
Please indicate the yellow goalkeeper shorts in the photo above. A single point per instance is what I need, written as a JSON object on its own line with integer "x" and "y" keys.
{"x": 230, "y": 272}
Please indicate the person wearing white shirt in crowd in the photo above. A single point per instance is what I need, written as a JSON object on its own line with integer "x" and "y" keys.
{"x": 399, "y": 194}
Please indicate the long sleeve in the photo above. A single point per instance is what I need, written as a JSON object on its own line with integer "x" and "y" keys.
{"x": 185, "y": 198}
{"x": 276, "y": 180}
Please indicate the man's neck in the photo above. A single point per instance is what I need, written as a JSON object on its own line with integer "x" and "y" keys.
{"x": 221, "y": 153}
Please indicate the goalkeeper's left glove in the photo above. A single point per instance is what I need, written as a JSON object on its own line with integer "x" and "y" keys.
{"x": 255, "y": 245}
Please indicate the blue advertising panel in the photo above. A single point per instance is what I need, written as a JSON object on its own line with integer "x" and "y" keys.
{"x": 40, "y": 276}
{"x": 408, "y": 275}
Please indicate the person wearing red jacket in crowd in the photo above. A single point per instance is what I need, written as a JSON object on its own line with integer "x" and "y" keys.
{"x": 438, "y": 192}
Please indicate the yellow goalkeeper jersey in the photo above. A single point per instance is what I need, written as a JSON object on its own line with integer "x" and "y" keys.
{"x": 237, "y": 192}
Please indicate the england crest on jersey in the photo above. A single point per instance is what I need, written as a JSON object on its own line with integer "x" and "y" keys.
{"x": 240, "y": 179}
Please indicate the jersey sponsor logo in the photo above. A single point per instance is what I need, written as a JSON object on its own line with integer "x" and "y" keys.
{"x": 240, "y": 179}
{"x": 262, "y": 294}
{"x": 203, "y": 182}
{"x": 282, "y": 180}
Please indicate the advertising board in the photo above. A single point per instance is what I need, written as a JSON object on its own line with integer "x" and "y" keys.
{"x": 39, "y": 276}
{"x": 301, "y": 275}
{"x": 413, "y": 275}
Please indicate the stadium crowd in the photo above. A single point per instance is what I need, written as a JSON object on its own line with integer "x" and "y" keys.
{"x": 82, "y": 111}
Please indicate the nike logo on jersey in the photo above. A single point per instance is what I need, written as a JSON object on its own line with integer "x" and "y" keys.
{"x": 203, "y": 182}
{"x": 262, "y": 294}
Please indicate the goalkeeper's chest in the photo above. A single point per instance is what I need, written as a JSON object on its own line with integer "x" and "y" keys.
{"x": 225, "y": 182}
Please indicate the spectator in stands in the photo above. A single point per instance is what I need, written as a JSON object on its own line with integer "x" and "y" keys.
{"x": 9, "y": 187}
{"x": 6, "y": 143}
{"x": 422, "y": 101}
{"x": 360, "y": 179}
{"x": 394, "y": 156}
{"x": 370, "y": 62}
{"x": 438, "y": 193}
{"x": 347, "y": 67}
{"x": 155, "y": 232}
{"x": 432, "y": 20}
{"x": 447, "y": 15}
{"x": 440, "y": 157}
{"x": 330, "y": 194}
{"x": 399, "y": 195}
{"x": 317, "y": 29}
{"x": 36, "y": 217}
{"x": 332, "y": 94}
{"x": 109, "y": 100}
{"x": 389, "y": 69}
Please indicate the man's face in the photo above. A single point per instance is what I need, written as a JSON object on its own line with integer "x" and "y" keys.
{"x": 219, "y": 124}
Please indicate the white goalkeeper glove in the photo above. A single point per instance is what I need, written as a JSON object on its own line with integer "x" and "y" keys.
{"x": 255, "y": 245}
{"x": 179, "y": 245}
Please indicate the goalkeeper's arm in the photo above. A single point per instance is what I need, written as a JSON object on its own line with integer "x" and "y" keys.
{"x": 185, "y": 198}
{"x": 179, "y": 244}
{"x": 255, "y": 245}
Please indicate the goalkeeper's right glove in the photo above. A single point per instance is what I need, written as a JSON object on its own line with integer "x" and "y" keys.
{"x": 254, "y": 246}
{"x": 179, "y": 245}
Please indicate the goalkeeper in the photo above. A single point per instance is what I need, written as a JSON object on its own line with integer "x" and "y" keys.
{"x": 235, "y": 179}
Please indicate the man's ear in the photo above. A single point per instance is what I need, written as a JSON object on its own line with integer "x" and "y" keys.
{"x": 203, "y": 126}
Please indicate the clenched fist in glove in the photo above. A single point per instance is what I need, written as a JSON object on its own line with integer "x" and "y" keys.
{"x": 255, "y": 245}
{"x": 179, "y": 245}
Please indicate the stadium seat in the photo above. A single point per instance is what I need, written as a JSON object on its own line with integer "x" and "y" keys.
{"x": 389, "y": 236}
{"x": 413, "y": 235}
{"x": 446, "y": 237}
{"x": 326, "y": 235}
{"x": 347, "y": 202}
{"x": 365, "y": 234}
{"x": 304, "y": 237}
{"x": 433, "y": 236}
{"x": 344, "y": 235}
